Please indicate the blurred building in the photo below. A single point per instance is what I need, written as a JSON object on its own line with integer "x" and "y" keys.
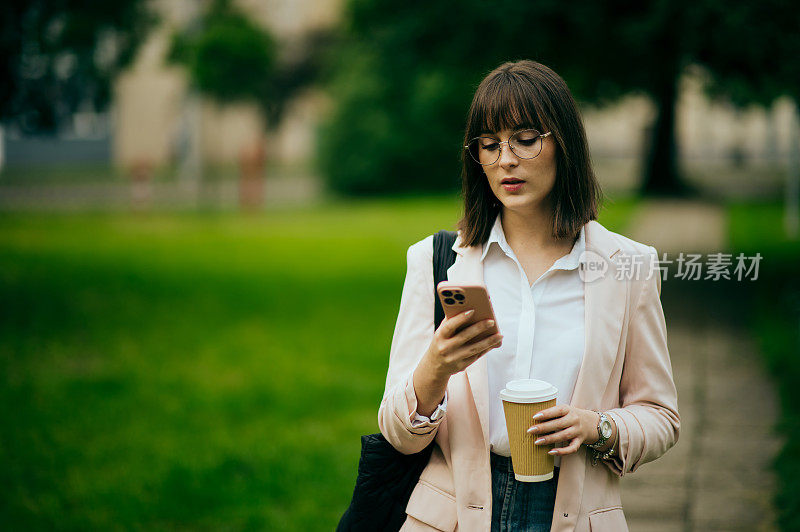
{"x": 158, "y": 119}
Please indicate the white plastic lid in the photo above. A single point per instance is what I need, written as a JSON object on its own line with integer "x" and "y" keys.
{"x": 528, "y": 391}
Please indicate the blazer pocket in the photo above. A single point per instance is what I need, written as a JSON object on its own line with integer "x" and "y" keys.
{"x": 433, "y": 507}
{"x": 610, "y": 519}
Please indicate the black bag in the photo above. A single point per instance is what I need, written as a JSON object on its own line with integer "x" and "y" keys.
{"x": 386, "y": 477}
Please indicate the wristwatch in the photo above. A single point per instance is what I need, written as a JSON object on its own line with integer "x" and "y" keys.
{"x": 604, "y": 430}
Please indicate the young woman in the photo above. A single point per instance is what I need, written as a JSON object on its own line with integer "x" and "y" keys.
{"x": 576, "y": 305}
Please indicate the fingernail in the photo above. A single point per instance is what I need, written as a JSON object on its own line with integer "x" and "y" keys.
{"x": 539, "y": 441}
{"x": 470, "y": 312}
{"x": 490, "y": 323}
{"x": 537, "y": 416}
{"x": 531, "y": 430}
{"x": 552, "y": 451}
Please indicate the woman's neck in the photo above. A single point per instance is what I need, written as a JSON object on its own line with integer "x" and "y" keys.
{"x": 529, "y": 231}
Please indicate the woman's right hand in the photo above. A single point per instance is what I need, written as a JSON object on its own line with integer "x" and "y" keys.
{"x": 451, "y": 352}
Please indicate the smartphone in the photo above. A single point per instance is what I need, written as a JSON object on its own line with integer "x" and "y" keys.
{"x": 457, "y": 298}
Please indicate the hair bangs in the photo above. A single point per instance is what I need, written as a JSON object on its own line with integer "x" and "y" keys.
{"x": 507, "y": 104}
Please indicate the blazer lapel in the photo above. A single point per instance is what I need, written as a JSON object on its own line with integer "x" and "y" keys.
{"x": 604, "y": 309}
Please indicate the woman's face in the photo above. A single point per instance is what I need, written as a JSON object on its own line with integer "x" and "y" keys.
{"x": 537, "y": 175}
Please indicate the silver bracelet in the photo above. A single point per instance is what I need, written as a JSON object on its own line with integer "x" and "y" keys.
{"x": 598, "y": 455}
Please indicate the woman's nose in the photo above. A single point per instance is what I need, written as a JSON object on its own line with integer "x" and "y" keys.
{"x": 507, "y": 157}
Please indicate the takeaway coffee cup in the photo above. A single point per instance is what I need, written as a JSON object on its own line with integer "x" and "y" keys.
{"x": 521, "y": 400}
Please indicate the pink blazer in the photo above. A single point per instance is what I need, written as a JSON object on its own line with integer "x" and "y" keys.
{"x": 626, "y": 371}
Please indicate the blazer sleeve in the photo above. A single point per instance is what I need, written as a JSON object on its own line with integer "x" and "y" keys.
{"x": 648, "y": 423}
{"x": 413, "y": 333}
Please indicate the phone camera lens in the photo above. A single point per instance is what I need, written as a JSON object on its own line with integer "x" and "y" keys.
{"x": 447, "y": 293}
{"x": 459, "y": 297}
{"x": 450, "y": 301}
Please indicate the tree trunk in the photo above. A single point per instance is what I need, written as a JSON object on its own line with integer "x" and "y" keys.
{"x": 252, "y": 159}
{"x": 661, "y": 174}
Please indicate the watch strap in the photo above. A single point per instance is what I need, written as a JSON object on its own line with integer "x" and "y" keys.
{"x": 601, "y": 439}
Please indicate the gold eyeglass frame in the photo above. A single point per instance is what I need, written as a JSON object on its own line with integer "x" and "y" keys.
{"x": 500, "y": 143}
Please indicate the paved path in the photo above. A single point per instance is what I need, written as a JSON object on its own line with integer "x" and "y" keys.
{"x": 716, "y": 477}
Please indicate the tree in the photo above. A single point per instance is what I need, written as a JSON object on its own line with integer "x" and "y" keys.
{"x": 231, "y": 59}
{"x": 59, "y": 56}
{"x": 405, "y": 76}
{"x": 748, "y": 49}
{"x": 228, "y": 57}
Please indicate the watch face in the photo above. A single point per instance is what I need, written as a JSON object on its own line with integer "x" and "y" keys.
{"x": 605, "y": 427}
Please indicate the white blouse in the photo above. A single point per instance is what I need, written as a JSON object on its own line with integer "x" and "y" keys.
{"x": 542, "y": 326}
{"x": 541, "y": 323}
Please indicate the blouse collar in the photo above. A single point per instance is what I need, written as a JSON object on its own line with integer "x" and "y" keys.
{"x": 567, "y": 262}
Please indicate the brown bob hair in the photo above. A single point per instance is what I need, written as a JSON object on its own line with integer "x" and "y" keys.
{"x": 528, "y": 94}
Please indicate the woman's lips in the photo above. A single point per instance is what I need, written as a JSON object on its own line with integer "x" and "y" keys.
{"x": 513, "y": 186}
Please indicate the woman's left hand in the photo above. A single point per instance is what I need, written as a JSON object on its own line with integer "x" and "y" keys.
{"x": 565, "y": 423}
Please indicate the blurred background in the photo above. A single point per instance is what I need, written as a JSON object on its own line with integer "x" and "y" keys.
{"x": 205, "y": 207}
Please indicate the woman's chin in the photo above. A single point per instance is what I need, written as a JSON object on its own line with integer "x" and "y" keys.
{"x": 525, "y": 203}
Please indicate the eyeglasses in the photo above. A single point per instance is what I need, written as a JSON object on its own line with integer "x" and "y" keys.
{"x": 525, "y": 144}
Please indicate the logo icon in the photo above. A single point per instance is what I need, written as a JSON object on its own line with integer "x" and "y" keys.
{"x": 592, "y": 266}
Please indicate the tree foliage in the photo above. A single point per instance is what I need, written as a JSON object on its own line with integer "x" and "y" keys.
{"x": 228, "y": 56}
{"x": 404, "y": 77}
{"x": 59, "y": 56}
{"x": 231, "y": 58}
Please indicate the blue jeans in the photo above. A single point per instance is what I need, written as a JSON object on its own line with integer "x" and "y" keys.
{"x": 520, "y": 506}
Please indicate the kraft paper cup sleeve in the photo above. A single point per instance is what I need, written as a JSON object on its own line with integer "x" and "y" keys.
{"x": 521, "y": 400}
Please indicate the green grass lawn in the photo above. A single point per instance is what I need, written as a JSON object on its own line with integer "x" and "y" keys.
{"x": 191, "y": 371}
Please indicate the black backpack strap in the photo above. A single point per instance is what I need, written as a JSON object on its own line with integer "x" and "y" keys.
{"x": 443, "y": 258}
{"x": 386, "y": 477}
